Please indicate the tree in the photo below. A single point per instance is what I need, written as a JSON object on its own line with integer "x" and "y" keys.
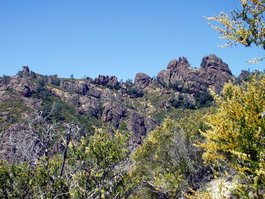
{"x": 15, "y": 180}
{"x": 245, "y": 26}
{"x": 167, "y": 163}
{"x": 236, "y": 138}
{"x": 97, "y": 166}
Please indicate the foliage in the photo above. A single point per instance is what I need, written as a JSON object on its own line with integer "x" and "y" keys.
{"x": 236, "y": 138}
{"x": 56, "y": 110}
{"x": 15, "y": 180}
{"x": 246, "y": 26}
{"x": 11, "y": 111}
{"x": 167, "y": 162}
{"x": 95, "y": 167}
{"x": 198, "y": 195}
{"x": 99, "y": 157}
{"x": 5, "y": 79}
{"x": 182, "y": 101}
{"x": 135, "y": 92}
{"x": 203, "y": 99}
{"x": 46, "y": 179}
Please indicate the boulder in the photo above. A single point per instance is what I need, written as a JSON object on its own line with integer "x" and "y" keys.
{"x": 163, "y": 77}
{"x": 142, "y": 80}
{"x": 244, "y": 75}
{"x": 150, "y": 124}
{"x": 113, "y": 113}
{"x": 25, "y": 71}
{"x": 54, "y": 80}
{"x": 101, "y": 80}
{"x": 94, "y": 93}
{"x": 113, "y": 81}
{"x": 85, "y": 89}
{"x": 215, "y": 73}
{"x": 137, "y": 125}
{"x": 140, "y": 126}
{"x": 26, "y": 91}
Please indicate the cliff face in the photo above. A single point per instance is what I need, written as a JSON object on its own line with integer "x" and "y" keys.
{"x": 29, "y": 100}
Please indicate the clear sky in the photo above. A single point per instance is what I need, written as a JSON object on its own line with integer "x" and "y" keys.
{"x": 112, "y": 37}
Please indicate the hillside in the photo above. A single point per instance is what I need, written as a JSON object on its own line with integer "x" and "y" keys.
{"x": 105, "y": 134}
{"x": 137, "y": 107}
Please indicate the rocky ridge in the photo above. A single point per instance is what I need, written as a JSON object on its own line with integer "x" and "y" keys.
{"x": 137, "y": 107}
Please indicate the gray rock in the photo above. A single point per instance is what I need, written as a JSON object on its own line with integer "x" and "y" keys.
{"x": 25, "y": 71}
{"x": 213, "y": 73}
{"x": 140, "y": 126}
{"x": 95, "y": 93}
{"x": 113, "y": 81}
{"x": 142, "y": 80}
{"x": 113, "y": 113}
{"x": 85, "y": 89}
{"x": 163, "y": 77}
{"x": 137, "y": 125}
{"x": 26, "y": 92}
{"x": 150, "y": 124}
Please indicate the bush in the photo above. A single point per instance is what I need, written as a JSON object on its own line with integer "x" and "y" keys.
{"x": 167, "y": 162}
{"x": 181, "y": 101}
{"x": 236, "y": 138}
{"x": 135, "y": 92}
{"x": 203, "y": 99}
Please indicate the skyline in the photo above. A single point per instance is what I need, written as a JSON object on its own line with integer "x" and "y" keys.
{"x": 88, "y": 38}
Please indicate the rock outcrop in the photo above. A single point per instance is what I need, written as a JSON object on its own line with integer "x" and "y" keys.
{"x": 111, "y": 81}
{"x": 213, "y": 73}
{"x": 113, "y": 113}
{"x": 142, "y": 80}
{"x": 141, "y": 125}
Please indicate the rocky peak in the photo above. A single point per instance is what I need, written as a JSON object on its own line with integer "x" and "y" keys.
{"x": 181, "y": 62}
{"x": 25, "y": 70}
{"x": 142, "y": 80}
{"x": 214, "y": 62}
{"x": 106, "y": 80}
{"x": 213, "y": 73}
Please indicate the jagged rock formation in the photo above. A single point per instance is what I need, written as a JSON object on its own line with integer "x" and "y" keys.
{"x": 213, "y": 73}
{"x": 106, "y": 80}
{"x": 142, "y": 80}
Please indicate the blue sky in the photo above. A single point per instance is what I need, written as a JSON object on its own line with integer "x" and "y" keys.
{"x": 112, "y": 37}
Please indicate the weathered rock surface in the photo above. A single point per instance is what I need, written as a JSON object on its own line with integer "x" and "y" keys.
{"x": 140, "y": 125}
{"x": 111, "y": 81}
{"x": 213, "y": 73}
{"x": 142, "y": 80}
{"x": 113, "y": 113}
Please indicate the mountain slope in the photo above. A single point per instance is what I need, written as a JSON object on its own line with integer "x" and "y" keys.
{"x": 36, "y": 110}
